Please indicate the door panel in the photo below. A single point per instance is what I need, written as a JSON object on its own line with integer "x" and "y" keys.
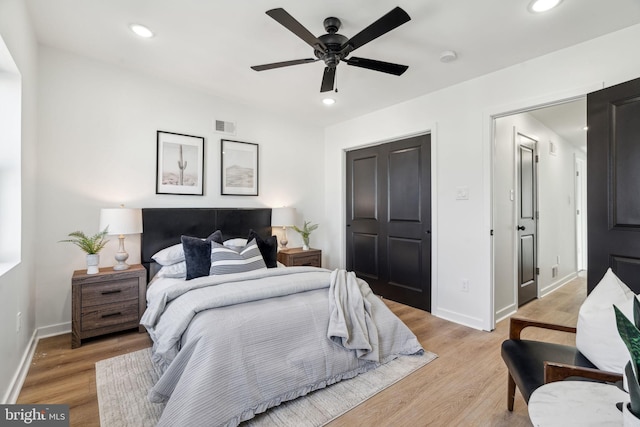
{"x": 365, "y": 255}
{"x": 389, "y": 219}
{"x": 613, "y": 199}
{"x": 526, "y": 224}
{"x": 404, "y": 185}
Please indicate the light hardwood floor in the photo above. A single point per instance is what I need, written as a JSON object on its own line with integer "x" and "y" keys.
{"x": 465, "y": 386}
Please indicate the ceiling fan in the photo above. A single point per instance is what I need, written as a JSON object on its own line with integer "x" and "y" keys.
{"x": 333, "y": 47}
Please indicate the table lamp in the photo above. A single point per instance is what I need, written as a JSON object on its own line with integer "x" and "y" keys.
{"x": 121, "y": 221}
{"x": 283, "y": 217}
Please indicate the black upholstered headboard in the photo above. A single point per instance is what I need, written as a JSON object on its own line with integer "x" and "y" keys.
{"x": 162, "y": 227}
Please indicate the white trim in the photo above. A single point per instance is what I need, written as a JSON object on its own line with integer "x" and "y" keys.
{"x": 557, "y": 284}
{"x": 15, "y": 386}
{"x": 462, "y": 319}
{"x": 489, "y": 116}
{"x": 53, "y": 330}
{"x": 13, "y": 391}
{"x": 506, "y": 312}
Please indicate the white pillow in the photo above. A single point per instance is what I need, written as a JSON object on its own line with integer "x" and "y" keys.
{"x": 236, "y": 243}
{"x": 171, "y": 255}
{"x": 597, "y": 334}
{"x": 177, "y": 270}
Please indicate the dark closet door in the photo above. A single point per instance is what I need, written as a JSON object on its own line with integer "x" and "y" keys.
{"x": 389, "y": 219}
{"x": 613, "y": 183}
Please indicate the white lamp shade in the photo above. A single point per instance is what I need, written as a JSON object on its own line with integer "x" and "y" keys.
{"x": 282, "y": 217}
{"x": 121, "y": 220}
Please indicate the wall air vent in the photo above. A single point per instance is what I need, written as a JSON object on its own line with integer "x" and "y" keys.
{"x": 225, "y": 127}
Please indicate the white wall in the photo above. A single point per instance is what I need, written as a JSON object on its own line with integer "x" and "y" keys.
{"x": 557, "y": 222}
{"x": 97, "y": 148}
{"x": 462, "y": 116}
{"x": 17, "y": 286}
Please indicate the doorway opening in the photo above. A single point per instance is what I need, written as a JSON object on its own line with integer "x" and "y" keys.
{"x": 557, "y": 251}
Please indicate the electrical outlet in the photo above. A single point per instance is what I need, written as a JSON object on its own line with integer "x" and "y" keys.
{"x": 465, "y": 285}
{"x": 18, "y": 322}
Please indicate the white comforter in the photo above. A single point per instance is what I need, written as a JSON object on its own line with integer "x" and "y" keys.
{"x": 233, "y": 346}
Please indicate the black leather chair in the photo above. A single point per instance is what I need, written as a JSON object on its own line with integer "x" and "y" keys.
{"x": 534, "y": 363}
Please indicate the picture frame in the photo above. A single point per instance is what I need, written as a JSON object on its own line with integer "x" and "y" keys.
{"x": 239, "y": 168}
{"x": 179, "y": 164}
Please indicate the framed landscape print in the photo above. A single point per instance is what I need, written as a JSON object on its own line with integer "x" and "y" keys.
{"x": 180, "y": 164}
{"x": 239, "y": 168}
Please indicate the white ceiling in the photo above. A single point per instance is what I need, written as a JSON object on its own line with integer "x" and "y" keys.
{"x": 210, "y": 44}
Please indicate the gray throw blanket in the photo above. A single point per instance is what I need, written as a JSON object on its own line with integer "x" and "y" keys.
{"x": 350, "y": 321}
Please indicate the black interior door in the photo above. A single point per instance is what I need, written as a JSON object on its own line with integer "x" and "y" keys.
{"x": 389, "y": 219}
{"x": 527, "y": 227}
{"x": 613, "y": 183}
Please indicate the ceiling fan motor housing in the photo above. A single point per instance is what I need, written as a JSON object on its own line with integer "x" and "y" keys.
{"x": 334, "y": 43}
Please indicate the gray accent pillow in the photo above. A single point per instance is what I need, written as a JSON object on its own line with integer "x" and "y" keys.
{"x": 227, "y": 261}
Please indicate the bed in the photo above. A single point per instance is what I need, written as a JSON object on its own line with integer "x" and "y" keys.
{"x": 233, "y": 345}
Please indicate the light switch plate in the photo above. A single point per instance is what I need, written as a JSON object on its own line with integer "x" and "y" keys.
{"x": 462, "y": 193}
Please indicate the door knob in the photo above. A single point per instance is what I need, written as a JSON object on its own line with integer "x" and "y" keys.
{"x": 520, "y": 227}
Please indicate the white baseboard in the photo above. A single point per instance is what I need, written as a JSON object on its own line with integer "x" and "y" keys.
{"x": 462, "y": 319}
{"x": 23, "y": 369}
{"x": 53, "y": 330}
{"x": 558, "y": 284}
{"x": 509, "y": 310}
{"x": 21, "y": 374}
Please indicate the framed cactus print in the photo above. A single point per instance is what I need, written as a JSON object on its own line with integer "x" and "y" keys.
{"x": 180, "y": 164}
{"x": 238, "y": 168}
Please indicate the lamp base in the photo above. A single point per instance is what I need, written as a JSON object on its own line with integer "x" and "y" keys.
{"x": 121, "y": 256}
{"x": 121, "y": 266}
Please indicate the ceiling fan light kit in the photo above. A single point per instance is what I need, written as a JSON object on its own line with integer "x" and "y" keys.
{"x": 333, "y": 48}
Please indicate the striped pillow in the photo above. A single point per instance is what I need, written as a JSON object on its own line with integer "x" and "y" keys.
{"x": 227, "y": 261}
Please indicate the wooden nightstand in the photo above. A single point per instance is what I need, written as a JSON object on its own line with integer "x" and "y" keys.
{"x": 109, "y": 301}
{"x": 297, "y": 256}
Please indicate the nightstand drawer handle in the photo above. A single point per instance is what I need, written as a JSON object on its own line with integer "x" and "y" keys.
{"x": 111, "y": 315}
{"x": 112, "y": 292}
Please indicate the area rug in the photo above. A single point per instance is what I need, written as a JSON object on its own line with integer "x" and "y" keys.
{"x": 123, "y": 382}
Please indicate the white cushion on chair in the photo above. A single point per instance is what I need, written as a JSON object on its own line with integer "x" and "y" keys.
{"x": 597, "y": 334}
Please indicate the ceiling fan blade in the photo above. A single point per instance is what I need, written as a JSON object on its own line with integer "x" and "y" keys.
{"x": 282, "y": 64}
{"x": 372, "y": 64}
{"x": 290, "y": 23}
{"x": 328, "y": 79}
{"x": 388, "y": 22}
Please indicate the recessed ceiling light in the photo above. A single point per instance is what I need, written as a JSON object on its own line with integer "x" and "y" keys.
{"x": 328, "y": 101}
{"x": 141, "y": 30}
{"x": 543, "y": 5}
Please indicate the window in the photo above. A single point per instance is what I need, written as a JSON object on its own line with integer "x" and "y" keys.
{"x": 10, "y": 168}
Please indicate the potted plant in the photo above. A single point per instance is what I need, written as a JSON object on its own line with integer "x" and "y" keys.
{"x": 91, "y": 245}
{"x": 305, "y": 232}
{"x": 630, "y": 334}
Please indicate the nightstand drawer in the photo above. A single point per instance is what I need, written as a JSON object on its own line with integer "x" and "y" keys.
{"x": 109, "y": 292}
{"x": 310, "y": 260}
{"x": 110, "y": 314}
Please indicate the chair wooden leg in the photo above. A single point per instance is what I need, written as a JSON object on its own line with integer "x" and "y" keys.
{"x": 511, "y": 392}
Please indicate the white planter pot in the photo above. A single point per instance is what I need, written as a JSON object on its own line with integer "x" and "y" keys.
{"x": 628, "y": 419}
{"x": 92, "y": 263}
